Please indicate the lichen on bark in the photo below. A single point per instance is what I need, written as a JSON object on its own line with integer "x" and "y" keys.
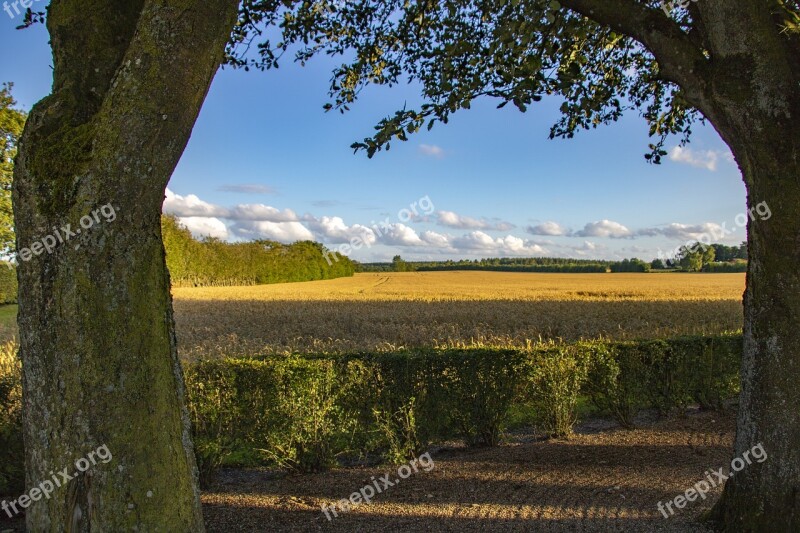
{"x": 97, "y": 339}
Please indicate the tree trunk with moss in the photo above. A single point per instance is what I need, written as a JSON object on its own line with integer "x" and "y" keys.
{"x": 765, "y": 496}
{"x": 739, "y": 66}
{"x": 96, "y": 327}
{"x": 753, "y": 100}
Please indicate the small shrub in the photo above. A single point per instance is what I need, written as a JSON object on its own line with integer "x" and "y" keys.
{"x": 556, "y": 377}
{"x": 482, "y": 385}
{"x": 8, "y": 283}
{"x": 398, "y": 432}
{"x": 716, "y": 378}
{"x": 405, "y": 420}
{"x": 286, "y": 410}
{"x": 617, "y": 380}
{"x": 12, "y": 463}
{"x": 314, "y": 425}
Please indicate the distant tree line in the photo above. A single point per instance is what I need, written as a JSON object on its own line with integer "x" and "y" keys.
{"x": 212, "y": 262}
{"x": 699, "y": 257}
{"x": 630, "y": 265}
{"x": 506, "y": 264}
{"x": 696, "y": 257}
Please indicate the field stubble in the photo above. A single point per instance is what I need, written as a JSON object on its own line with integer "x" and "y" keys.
{"x": 388, "y": 311}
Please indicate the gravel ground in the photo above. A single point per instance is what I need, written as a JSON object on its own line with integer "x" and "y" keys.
{"x": 603, "y": 479}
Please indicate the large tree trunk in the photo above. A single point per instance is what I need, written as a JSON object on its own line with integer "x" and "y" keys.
{"x": 765, "y": 496}
{"x": 751, "y": 94}
{"x": 757, "y": 112}
{"x": 97, "y": 338}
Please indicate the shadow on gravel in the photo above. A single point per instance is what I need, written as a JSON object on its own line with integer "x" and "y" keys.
{"x": 611, "y": 481}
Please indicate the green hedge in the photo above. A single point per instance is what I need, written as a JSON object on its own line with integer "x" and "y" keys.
{"x": 212, "y": 262}
{"x": 728, "y": 267}
{"x": 8, "y": 283}
{"x": 12, "y": 451}
{"x": 304, "y": 412}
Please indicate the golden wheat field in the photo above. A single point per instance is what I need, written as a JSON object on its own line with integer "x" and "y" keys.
{"x": 391, "y": 310}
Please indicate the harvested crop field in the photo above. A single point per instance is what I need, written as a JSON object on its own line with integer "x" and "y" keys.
{"x": 597, "y": 481}
{"x": 391, "y": 310}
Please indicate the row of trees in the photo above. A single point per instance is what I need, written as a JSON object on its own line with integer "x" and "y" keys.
{"x": 12, "y": 121}
{"x": 505, "y": 264}
{"x": 691, "y": 258}
{"x": 699, "y": 257}
{"x": 212, "y": 262}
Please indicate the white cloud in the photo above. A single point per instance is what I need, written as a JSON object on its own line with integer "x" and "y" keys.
{"x": 190, "y": 206}
{"x": 707, "y": 159}
{"x": 550, "y": 229}
{"x": 454, "y": 220}
{"x": 205, "y": 227}
{"x": 400, "y": 235}
{"x": 262, "y": 212}
{"x": 334, "y": 230}
{"x": 604, "y": 228}
{"x": 286, "y": 232}
{"x": 508, "y": 245}
{"x": 431, "y": 150}
{"x": 437, "y": 240}
{"x": 586, "y": 248}
{"x": 686, "y": 232}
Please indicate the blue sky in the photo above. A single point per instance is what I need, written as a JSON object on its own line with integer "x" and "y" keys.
{"x": 265, "y": 161}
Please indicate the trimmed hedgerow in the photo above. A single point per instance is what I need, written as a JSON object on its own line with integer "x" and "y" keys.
{"x": 305, "y": 412}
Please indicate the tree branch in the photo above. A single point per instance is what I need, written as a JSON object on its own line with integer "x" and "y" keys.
{"x": 681, "y": 61}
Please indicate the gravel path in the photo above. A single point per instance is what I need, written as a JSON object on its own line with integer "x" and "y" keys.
{"x": 600, "y": 480}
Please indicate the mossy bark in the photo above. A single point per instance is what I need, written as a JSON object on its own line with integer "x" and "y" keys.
{"x": 96, "y": 329}
{"x": 753, "y": 100}
{"x": 765, "y": 496}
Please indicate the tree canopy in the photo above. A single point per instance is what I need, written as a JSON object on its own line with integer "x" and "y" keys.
{"x": 12, "y": 121}
{"x": 630, "y": 55}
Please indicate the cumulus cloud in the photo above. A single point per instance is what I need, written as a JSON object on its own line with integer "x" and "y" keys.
{"x": 454, "y": 220}
{"x": 400, "y": 235}
{"x": 334, "y": 230}
{"x": 286, "y": 232}
{"x": 508, "y": 245}
{"x": 604, "y": 228}
{"x": 191, "y": 206}
{"x": 205, "y": 227}
{"x": 262, "y": 212}
{"x": 434, "y": 239}
{"x": 247, "y": 189}
{"x": 250, "y": 221}
{"x": 550, "y": 229}
{"x": 431, "y": 150}
{"x": 586, "y": 248}
{"x": 707, "y": 159}
{"x": 685, "y": 232}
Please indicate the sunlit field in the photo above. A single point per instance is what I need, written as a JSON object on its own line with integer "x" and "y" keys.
{"x": 390, "y": 310}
